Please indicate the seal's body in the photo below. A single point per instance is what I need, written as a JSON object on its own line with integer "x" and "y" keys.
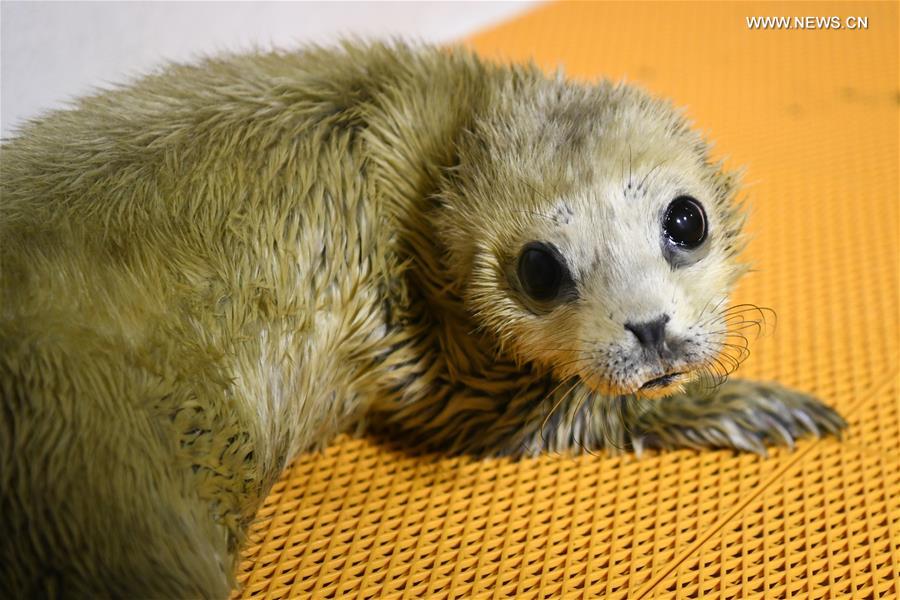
{"x": 222, "y": 265}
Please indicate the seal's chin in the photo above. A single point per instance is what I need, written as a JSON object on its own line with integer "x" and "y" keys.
{"x": 662, "y": 381}
{"x": 659, "y": 385}
{"x": 663, "y": 385}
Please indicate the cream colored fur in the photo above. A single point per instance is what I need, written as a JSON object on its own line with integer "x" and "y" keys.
{"x": 221, "y": 265}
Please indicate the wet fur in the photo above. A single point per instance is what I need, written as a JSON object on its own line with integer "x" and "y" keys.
{"x": 222, "y": 265}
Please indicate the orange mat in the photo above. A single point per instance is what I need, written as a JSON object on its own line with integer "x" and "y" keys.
{"x": 814, "y": 117}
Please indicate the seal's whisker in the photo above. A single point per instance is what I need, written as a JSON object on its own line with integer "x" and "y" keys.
{"x": 553, "y": 409}
{"x": 737, "y": 314}
{"x": 650, "y": 172}
{"x": 735, "y": 329}
{"x": 746, "y": 306}
{"x": 746, "y": 325}
{"x": 574, "y": 361}
{"x": 734, "y": 318}
{"x": 706, "y": 306}
{"x": 765, "y": 313}
{"x": 709, "y": 380}
{"x": 722, "y": 369}
{"x": 558, "y": 349}
{"x": 535, "y": 214}
{"x": 743, "y": 351}
{"x": 585, "y": 448}
{"x": 734, "y": 337}
{"x": 726, "y": 333}
{"x": 536, "y": 192}
{"x": 732, "y": 362}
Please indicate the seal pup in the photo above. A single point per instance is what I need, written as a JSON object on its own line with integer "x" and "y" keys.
{"x": 221, "y": 265}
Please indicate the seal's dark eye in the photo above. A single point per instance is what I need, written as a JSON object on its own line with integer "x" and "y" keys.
{"x": 685, "y": 222}
{"x": 541, "y": 271}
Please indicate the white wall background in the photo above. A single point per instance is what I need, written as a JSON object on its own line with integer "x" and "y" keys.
{"x": 54, "y": 51}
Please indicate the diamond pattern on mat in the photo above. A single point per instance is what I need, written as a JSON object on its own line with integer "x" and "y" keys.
{"x": 814, "y": 116}
{"x": 829, "y": 527}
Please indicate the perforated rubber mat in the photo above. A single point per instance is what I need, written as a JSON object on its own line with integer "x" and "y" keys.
{"x": 813, "y": 114}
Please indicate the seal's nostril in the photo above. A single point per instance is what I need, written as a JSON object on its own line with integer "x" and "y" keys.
{"x": 650, "y": 334}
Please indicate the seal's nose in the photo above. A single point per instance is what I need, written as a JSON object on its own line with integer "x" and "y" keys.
{"x": 651, "y": 334}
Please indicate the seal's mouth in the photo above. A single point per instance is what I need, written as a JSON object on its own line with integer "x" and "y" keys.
{"x": 661, "y": 382}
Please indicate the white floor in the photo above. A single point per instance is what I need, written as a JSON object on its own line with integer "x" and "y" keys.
{"x": 53, "y": 51}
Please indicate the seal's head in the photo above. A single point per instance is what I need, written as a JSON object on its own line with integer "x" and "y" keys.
{"x": 593, "y": 235}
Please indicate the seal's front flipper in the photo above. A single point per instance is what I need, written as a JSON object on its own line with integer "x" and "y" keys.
{"x": 740, "y": 414}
